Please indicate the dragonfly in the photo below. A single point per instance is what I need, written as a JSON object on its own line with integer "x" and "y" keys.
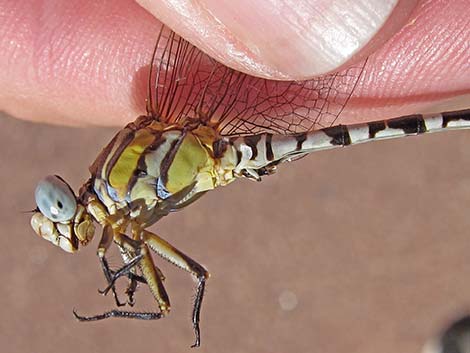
{"x": 205, "y": 126}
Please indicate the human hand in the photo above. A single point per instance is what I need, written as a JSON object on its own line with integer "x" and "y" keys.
{"x": 75, "y": 62}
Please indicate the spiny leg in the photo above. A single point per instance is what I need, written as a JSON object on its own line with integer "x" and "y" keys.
{"x": 134, "y": 280}
{"x": 154, "y": 278}
{"x": 105, "y": 242}
{"x": 150, "y": 275}
{"x": 120, "y": 314}
{"x": 130, "y": 290}
{"x": 123, "y": 271}
{"x": 131, "y": 260}
{"x": 133, "y": 284}
{"x": 176, "y": 257}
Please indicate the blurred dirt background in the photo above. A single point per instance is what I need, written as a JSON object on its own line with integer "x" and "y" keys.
{"x": 363, "y": 249}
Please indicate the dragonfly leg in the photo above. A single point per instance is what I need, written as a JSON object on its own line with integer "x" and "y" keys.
{"x": 120, "y": 313}
{"x": 130, "y": 290}
{"x": 176, "y": 257}
{"x": 123, "y": 271}
{"x": 103, "y": 246}
{"x": 150, "y": 275}
{"x": 134, "y": 278}
{"x": 131, "y": 275}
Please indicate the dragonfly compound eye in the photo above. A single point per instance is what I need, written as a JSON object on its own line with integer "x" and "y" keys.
{"x": 55, "y": 199}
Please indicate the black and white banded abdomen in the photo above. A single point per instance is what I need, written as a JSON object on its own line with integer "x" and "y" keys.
{"x": 259, "y": 151}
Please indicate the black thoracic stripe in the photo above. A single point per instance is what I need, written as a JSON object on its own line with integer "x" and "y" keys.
{"x": 239, "y": 157}
{"x": 269, "y": 147}
{"x": 375, "y": 127}
{"x": 141, "y": 165}
{"x": 300, "y": 138}
{"x": 125, "y": 141}
{"x": 339, "y": 135}
{"x": 447, "y": 117}
{"x": 410, "y": 124}
{"x": 168, "y": 159}
{"x": 252, "y": 142}
{"x": 219, "y": 147}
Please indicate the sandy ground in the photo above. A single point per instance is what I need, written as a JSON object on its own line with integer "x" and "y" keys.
{"x": 362, "y": 249}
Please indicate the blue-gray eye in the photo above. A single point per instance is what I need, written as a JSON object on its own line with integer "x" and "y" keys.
{"x": 55, "y": 199}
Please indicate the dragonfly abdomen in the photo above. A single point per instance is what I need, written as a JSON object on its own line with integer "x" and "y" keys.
{"x": 258, "y": 152}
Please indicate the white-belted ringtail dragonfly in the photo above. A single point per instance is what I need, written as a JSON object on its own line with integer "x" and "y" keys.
{"x": 206, "y": 126}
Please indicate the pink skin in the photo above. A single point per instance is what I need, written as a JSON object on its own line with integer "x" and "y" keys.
{"x": 76, "y": 63}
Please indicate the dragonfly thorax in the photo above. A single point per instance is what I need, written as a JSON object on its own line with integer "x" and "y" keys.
{"x": 151, "y": 169}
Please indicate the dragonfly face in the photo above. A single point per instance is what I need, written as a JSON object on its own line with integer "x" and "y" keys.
{"x": 60, "y": 219}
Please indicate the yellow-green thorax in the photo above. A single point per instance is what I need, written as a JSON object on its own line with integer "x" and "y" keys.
{"x": 150, "y": 168}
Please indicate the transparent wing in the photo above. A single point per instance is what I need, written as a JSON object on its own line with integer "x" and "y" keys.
{"x": 186, "y": 84}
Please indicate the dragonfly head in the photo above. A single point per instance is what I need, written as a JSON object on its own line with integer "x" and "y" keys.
{"x": 59, "y": 217}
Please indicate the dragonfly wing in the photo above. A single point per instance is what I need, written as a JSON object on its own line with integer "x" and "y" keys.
{"x": 188, "y": 84}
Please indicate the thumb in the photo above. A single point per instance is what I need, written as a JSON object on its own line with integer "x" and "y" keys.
{"x": 284, "y": 39}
